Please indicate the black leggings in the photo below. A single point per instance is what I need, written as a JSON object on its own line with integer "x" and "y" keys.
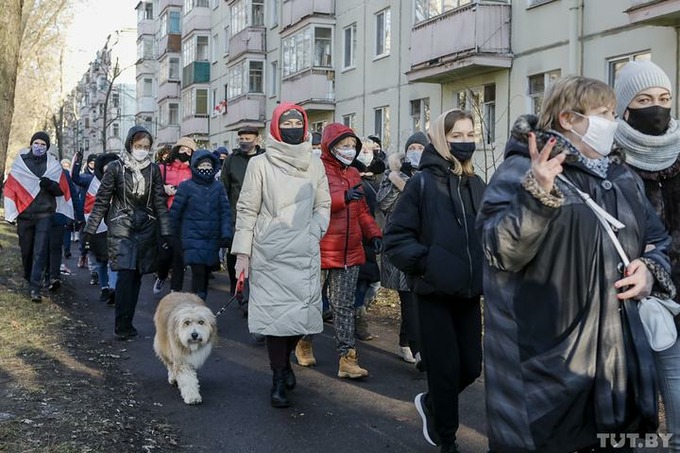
{"x": 199, "y": 280}
{"x": 279, "y": 349}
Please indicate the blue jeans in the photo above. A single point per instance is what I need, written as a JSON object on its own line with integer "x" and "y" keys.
{"x": 668, "y": 369}
{"x": 113, "y": 278}
{"x": 102, "y": 268}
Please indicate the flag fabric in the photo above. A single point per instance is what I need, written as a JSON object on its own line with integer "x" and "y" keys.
{"x": 22, "y": 186}
{"x": 90, "y": 198}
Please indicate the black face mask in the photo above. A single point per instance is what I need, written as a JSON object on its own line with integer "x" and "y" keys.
{"x": 245, "y": 147}
{"x": 183, "y": 157}
{"x": 652, "y": 120}
{"x": 462, "y": 150}
{"x": 293, "y": 135}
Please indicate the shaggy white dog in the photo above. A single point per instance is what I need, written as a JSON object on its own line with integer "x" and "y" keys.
{"x": 185, "y": 333}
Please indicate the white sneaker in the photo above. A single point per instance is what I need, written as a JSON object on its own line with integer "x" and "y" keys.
{"x": 76, "y": 236}
{"x": 406, "y": 354}
{"x": 158, "y": 286}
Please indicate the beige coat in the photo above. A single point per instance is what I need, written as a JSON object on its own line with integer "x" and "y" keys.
{"x": 281, "y": 215}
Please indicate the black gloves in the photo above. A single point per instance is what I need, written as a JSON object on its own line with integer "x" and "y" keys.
{"x": 407, "y": 168}
{"x": 354, "y": 194}
{"x": 46, "y": 183}
{"x": 165, "y": 242}
{"x": 377, "y": 245}
{"x": 225, "y": 243}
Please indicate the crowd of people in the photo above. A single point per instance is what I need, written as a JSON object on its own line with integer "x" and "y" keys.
{"x": 316, "y": 222}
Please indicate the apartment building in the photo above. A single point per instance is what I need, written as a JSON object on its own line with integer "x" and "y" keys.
{"x": 386, "y": 67}
{"x": 98, "y": 112}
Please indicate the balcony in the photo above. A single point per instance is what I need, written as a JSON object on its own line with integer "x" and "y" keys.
{"x": 245, "y": 110}
{"x": 472, "y": 39}
{"x": 196, "y": 19}
{"x": 171, "y": 43}
{"x": 146, "y": 104}
{"x": 167, "y": 135}
{"x": 655, "y": 12}
{"x": 196, "y": 72}
{"x": 145, "y": 27}
{"x": 248, "y": 40}
{"x": 312, "y": 88}
{"x": 293, "y": 11}
{"x": 163, "y": 4}
{"x": 194, "y": 125}
{"x": 168, "y": 90}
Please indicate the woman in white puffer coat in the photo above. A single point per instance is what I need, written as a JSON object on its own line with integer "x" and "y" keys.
{"x": 281, "y": 214}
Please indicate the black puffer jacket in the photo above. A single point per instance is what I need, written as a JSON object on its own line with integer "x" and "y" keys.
{"x": 233, "y": 173}
{"x": 555, "y": 360}
{"x": 132, "y": 220}
{"x": 431, "y": 235}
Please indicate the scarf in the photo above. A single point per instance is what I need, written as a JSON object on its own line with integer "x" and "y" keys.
{"x": 136, "y": 167}
{"x": 291, "y": 159}
{"x": 649, "y": 152}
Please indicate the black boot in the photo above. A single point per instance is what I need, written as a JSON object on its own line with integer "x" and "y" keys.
{"x": 279, "y": 396}
{"x": 289, "y": 378}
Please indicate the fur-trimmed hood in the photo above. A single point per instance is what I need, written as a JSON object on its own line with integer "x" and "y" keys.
{"x": 395, "y": 160}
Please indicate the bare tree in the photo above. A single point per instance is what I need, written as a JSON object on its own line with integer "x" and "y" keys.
{"x": 13, "y": 22}
{"x": 115, "y": 72}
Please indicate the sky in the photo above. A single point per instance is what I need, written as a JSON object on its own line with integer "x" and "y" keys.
{"x": 93, "y": 21}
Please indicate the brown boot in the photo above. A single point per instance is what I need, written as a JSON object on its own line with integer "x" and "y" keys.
{"x": 361, "y": 331}
{"x": 349, "y": 368}
{"x": 304, "y": 353}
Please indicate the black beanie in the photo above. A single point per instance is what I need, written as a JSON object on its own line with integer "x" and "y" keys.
{"x": 291, "y": 114}
{"x": 91, "y": 158}
{"x": 40, "y": 136}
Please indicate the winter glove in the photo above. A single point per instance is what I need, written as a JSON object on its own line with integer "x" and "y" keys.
{"x": 46, "y": 183}
{"x": 170, "y": 190}
{"x": 354, "y": 194}
{"x": 377, "y": 245}
{"x": 242, "y": 265}
{"x": 407, "y": 168}
{"x": 225, "y": 243}
{"x": 165, "y": 242}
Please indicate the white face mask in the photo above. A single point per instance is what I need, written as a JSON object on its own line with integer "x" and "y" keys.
{"x": 365, "y": 158}
{"x": 316, "y": 152}
{"x": 140, "y": 154}
{"x": 599, "y": 135}
{"x": 345, "y": 155}
{"x": 414, "y": 157}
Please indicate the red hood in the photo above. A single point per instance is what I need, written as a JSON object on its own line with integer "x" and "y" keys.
{"x": 278, "y": 111}
{"x": 335, "y": 132}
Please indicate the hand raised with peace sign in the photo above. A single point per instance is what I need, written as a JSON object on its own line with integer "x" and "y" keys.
{"x": 545, "y": 168}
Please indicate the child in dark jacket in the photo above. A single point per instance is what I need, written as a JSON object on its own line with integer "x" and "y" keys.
{"x": 201, "y": 215}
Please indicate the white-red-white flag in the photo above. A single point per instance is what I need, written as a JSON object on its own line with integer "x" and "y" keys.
{"x": 22, "y": 186}
{"x": 90, "y": 198}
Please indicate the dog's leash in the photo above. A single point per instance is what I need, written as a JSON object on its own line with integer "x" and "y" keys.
{"x": 238, "y": 294}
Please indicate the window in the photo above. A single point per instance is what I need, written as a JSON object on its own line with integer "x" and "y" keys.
{"x": 426, "y": 9}
{"x": 173, "y": 114}
{"x": 115, "y": 100}
{"x": 226, "y": 40}
{"x": 215, "y": 4}
{"x": 201, "y": 107}
{"x": 350, "y": 120}
{"x": 420, "y": 115}
{"x": 538, "y": 84}
{"x": 195, "y": 49}
{"x": 317, "y": 126}
{"x": 349, "y": 46}
{"x": 188, "y": 6}
{"x": 382, "y": 33}
{"x": 381, "y": 128}
{"x": 489, "y": 113}
{"x": 174, "y": 22}
{"x": 614, "y": 65}
{"x": 173, "y": 68}
{"x": 115, "y": 130}
{"x": 299, "y": 48}
{"x": 246, "y": 13}
{"x": 255, "y": 77}
{"x": 147, "y": 87}
{"x": 201, "y": 48}
{"x": 195, "y": 102}
{"x": 245, "y": 77}
{"x": 145, "y": 48}
{"x": 213, "y": 48}
{"x": 274, "y": 78}
{"x": 145, "y": 12}
{"x": 273, "y": 8}
{"x": 202, "y": 3}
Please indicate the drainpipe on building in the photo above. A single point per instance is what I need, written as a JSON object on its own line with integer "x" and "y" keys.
{"x": 575, "y": 24}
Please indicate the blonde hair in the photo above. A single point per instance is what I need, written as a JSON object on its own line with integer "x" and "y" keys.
{"x": 452, "y": 117}
{"x": 573, "y": 93}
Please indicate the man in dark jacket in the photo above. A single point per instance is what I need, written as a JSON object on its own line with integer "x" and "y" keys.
{"x": 30, "y": 197}
{"x": 233, "y": 173}
{"x": 82, "y": 182}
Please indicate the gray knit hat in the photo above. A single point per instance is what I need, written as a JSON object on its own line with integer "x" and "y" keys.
{"x": 635, "y": 77}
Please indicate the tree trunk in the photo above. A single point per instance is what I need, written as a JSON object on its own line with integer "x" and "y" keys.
{"x": 12, "y": 26}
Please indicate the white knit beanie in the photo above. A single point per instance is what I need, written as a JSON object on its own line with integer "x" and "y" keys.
{"x": 635, "y": 77}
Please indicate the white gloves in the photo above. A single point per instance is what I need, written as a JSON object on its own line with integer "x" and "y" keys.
{"x": 169, "y": 189}
{"x": 242, "y": 265}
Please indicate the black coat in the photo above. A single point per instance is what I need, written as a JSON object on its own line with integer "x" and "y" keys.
{"x": 431, "y": 235}
{"x": 232, "y": 175}
{"x": 554, "y": 344}
{"x": 132, "y": 221}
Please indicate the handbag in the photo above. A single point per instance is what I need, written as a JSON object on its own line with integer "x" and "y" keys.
{"x": 655, "y": 313}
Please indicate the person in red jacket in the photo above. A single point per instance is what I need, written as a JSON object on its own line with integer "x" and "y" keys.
{"x": 174, "y": 171}
{"x": 342, "y": 251}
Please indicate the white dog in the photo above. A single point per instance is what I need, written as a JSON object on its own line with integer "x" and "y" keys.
{"x": 185, "y": 333}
